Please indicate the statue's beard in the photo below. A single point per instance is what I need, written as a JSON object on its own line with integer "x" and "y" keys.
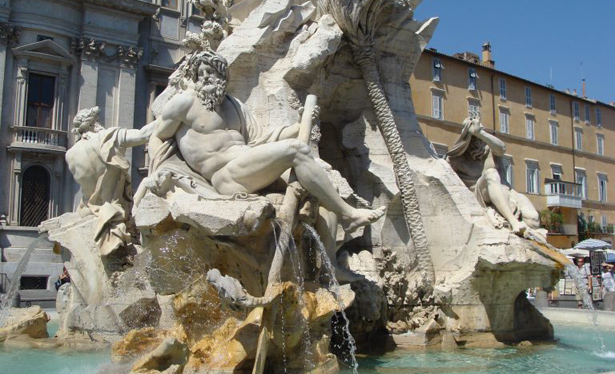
{"x": 211, "y": 92}
{"x": 477, "y": 148}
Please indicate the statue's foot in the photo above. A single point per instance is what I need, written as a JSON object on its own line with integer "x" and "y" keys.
{"x": 519, "y": 228}
{"x": 361, "y": 217}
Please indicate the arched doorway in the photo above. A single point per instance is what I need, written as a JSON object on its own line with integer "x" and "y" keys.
{"x": 35, "y": 191}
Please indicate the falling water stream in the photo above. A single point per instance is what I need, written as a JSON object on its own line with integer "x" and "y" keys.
{"x": 5, "y": 301}
{"x": 579, "y": 281}
{"x": 334, "y": 287}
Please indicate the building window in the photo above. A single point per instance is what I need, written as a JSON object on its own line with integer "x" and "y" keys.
{"x": 506, "y": 173}
{"x": 437, "y": 106}
{"x": 578, "y": 138}
{"x": 473, "y": 107}
{"x": 441, "y": 149}
{"x": 587, "y": 114}
{"x": 504, "y": 121}
{"x": 529, "y": 127}
{"x": 33, "y": 283}
{"x": 502, "y": 88}
{"x": 605, "y": 223}
{"x": 602, "y": 187}
{"x": 557, "y": 171}
{"x": 41, "y": 92}
{"x": 576, "y": 110}
{"x": 532, "y": 177}
{"x": 598, "y": 117}
{"x": 581, "y": 178}
{"x": 169, "y": 4}
{"x": 437, "y": 70}
{"x": 600, "y": 143}
{"x": 528, "y": 97}
{"x": 35, "y": 192}
{"x": 472, "y": 79}
{"x": 552, "y": 104}
{"x": 554, "y": 127}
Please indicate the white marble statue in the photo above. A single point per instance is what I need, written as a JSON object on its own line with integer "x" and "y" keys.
{"x": 473, "y": 157}
{"x": 98, "y": 163}
{"x": 217, "y": 137}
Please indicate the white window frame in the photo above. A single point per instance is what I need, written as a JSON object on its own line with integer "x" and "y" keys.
{"x": 437, "y": 111}
{"x": 440, "y": 149}
{"x": 552, "y": 104}
{"x": 603, "y": 187}
{"x": 598, "y": 117}
{"x": 532, "y": 177}
{"x": 528, "y": 97}
{"x": 502, "y": 88}
{"x": 472, "y": 79}
{"x": 587, "y": 114}
{"x": 508, "y": 175}
{"x": 473, "y": 106}
{"x": 554, "y": 132}
{"x": 504, "y": 121}
{"x": 578, "y": 138}
{"x": 600, "y": 144}
{"x": 557, "y": 172}
{"x": 604, "y": 222}
{"x": 576, "y": 111}
{"x": 580, "y": 177}
{"x": 530, "y": 127}
{"x": 437, "y": 68}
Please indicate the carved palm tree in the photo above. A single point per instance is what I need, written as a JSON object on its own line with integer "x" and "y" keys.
{"x": 359, "y": 20}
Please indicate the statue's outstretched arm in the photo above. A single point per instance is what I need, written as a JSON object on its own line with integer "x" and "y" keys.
{"x": 172, "y": 116}
{"x": 498, "y": 148}
{"x": 140, "y": 136}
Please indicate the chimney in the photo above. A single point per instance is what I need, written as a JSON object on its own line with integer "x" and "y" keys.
{"x": 487, "y": 61}
{"x": 584, "y": 88}
{"x": 574, "y": 92}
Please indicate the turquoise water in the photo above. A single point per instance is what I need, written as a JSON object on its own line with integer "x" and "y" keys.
{"x": 577, "y": 351}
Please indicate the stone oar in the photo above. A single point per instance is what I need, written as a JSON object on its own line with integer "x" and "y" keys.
{"x": 288, "y": 219}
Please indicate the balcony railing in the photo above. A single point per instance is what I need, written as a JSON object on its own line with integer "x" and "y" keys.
{"x": 563, "y": 194}
{"x": 35, "y": 137}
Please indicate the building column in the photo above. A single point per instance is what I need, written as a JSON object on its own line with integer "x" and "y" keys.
{"x": 15, "y": 196}
{"x": 126, "y": 110}
{"x": 87, "y": 92}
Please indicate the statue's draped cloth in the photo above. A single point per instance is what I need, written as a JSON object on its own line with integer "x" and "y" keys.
{"x": 112, "y": 198}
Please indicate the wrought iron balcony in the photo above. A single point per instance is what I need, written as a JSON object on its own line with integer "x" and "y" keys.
{"x": 38, "y": 139}
{"x": 563, "y": 194}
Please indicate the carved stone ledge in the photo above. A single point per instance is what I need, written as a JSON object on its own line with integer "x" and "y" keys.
{"x": 98, "y": 50}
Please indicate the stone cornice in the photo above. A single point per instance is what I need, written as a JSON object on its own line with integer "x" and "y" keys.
{"x": 98, "y": 50}
{"x": 133, "y": 6}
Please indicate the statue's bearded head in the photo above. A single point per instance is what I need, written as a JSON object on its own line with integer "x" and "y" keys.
{"x": 208, "y": 71}
{"x": 86, "y": 121}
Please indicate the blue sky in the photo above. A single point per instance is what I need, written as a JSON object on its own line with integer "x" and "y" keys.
{"x": 545, "y": 41}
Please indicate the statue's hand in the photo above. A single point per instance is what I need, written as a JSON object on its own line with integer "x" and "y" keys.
{"x": 315, "y": 112}
{"x": 476, "y": 127}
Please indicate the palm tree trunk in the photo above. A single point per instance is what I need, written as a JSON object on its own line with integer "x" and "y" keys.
{"x": 365, "y": 58}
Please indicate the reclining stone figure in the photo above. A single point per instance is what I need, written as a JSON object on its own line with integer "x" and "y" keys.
{"x": 98, "y": 163}
{"x": 218, "y": 138}
{"x": 473, "y": 157}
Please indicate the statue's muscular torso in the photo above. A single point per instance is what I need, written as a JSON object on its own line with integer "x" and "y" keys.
{"x": 208, "y": 140}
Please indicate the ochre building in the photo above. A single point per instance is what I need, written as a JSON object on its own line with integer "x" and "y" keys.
{"x": 559, "y": 145}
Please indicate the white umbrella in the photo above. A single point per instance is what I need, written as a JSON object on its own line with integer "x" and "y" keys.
{"x": 575, "y": 252}
{"x": 592, "y": 244}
